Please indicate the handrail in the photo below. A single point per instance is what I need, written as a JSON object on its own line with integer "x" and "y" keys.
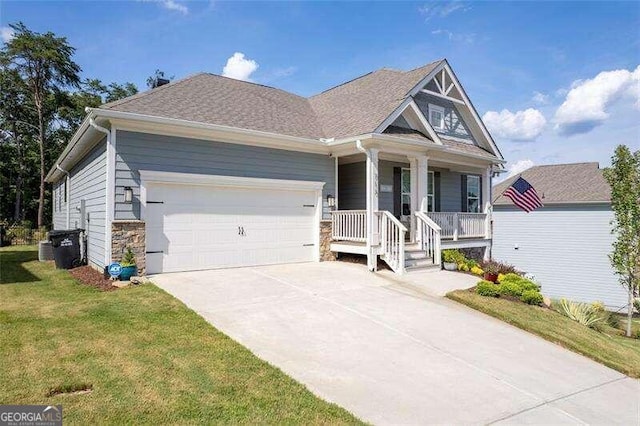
{"x": 428, "y": 220}
{"x": 394, "y": 220}
{"x": 429, "y": 235}
{"x": 392, "y": 236}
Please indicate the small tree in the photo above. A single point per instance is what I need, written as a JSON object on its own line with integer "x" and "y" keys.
{"x": 624, "y": 178}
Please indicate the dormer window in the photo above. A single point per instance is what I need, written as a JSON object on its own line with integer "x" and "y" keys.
{"x": 436, "y": 117}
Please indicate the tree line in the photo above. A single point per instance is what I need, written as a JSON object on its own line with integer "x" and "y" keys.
{"x": 42, "y": 102}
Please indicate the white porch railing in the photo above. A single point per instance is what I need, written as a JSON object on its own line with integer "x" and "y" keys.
{"x": 349, "y": 225}
{"x": 461, "y": 225}
{"x": 429, "y": 235}
{"x": 392, "y": 235}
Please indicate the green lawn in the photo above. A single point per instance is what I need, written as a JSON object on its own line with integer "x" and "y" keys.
{"x": 146, "y": 356}
{"x": 611, "y": 349}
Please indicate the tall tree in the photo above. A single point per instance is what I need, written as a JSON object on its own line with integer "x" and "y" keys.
{"x": 624, "y": 178}
{"x": 15, "y": 128}
{"x": 45, "y": 64}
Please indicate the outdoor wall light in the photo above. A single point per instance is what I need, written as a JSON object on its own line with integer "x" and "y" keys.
{"x": 331, "y": 200}
{"x": 128, "y": 194}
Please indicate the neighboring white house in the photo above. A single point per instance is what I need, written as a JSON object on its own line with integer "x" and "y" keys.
{"x": 211, "y": 172}
{"x": 566, "y": 243}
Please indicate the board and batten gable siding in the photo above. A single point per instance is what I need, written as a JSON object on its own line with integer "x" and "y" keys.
{"x": 453, "y": 122}
{"x": 144, "y": 151}
{"x": 564, "y": 247}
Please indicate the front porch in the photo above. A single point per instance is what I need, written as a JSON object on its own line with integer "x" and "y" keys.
{"x": 407, "y": 209}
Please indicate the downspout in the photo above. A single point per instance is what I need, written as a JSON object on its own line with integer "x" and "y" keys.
{"x": 109, "y": 190}
{"x": 67, "y": 194}
{"x": 371, "y": 261}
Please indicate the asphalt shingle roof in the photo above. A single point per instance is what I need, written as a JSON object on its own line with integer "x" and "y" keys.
{"x": 213, "y": 99}
{"x": 356, "y": 107}
{"x": 561, "y": 183}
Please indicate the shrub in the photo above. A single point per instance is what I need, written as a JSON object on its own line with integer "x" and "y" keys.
{"x": 531, "y": 297}
{"x": 636, "y": 304}
{"x": 487, "y": 288}
{"x": 476, "y": 270}
{"x": 511, "y": 288}
{"x": 453, "y": 256}
{"x": 613, "y": 320}
{"x": 499, "y": 267}
{"x": 128, "y": 259}
{"x": 581, "y": 313}
{"x": 463, "y": 267}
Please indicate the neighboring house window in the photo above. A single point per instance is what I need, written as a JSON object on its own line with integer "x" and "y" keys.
{"x": 436, "y": 117}
{"x": 473, "y": 194}
{"x": 431, "y": 184}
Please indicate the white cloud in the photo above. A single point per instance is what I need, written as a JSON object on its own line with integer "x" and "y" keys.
{"x": 7, "y": 34}
{"x": 463, "y": 37}
{"x": 239, "y": 68}
{"x": 519, "y": 126}
{"x": 284, "y": 72}
{"x": 171, "y": 5}
{"x": 586, "y": 104}
{"x": 540, "y": 98}
{"x": 442, "y": 9}
{"x": 517, "y": 168}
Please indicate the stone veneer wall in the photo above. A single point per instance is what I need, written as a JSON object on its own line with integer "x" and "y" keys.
{"x": 325, "y": 241}
{"x": 129, "y": 233}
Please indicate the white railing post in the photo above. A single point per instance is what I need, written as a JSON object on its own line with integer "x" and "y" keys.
{"x": 456, "y": 226}
{"x": 401, "y": 252}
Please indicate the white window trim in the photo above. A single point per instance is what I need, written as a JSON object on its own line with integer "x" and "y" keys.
{"x": 432, "y": 196}
{"x": 436, "y": 108}
{"x": 474, "y": 198}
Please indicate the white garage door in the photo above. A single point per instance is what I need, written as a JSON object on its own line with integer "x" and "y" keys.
{"x": 194, "y": 227}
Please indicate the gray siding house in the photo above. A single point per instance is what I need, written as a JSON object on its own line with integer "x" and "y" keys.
{"x": 566, "y": 243}
{"x": 210, "y": 172}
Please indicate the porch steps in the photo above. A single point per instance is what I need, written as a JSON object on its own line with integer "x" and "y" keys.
{"x": 416, "y": 260}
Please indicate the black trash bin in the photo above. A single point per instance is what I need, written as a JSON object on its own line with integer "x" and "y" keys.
{"x": 66, "y": 248}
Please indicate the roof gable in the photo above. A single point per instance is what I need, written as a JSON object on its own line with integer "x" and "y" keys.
{"x": 561, "y": 184}
{"x": 361, "y": 105}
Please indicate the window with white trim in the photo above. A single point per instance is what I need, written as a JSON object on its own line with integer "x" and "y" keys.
{"x": 473, "y": 194}
{"x": 431, "y": 199}
{"x": 436, "y": 116}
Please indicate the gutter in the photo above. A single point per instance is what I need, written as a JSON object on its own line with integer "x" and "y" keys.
{"x": 67, "y": 194}
{"x": 110, "y": 187}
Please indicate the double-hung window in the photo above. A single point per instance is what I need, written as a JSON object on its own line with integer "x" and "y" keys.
{"x": 473, "y": 194}
{"x": 436, "y": 117}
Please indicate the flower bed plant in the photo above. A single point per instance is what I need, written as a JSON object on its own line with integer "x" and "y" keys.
{"x": 512, "y": 286}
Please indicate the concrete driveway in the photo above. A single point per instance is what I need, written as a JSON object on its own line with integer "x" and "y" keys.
{"x": 394, "y": 351}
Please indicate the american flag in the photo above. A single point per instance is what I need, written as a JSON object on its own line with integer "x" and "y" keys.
{"x": 523, "y": 195}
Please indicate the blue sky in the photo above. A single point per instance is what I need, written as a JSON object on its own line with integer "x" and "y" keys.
{"x": 556, "y": 82}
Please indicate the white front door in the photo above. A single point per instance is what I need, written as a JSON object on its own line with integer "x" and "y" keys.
{"x": 194, "y": 227}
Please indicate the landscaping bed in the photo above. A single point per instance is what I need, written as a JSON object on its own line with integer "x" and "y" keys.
{"x": 137, "y": 356}
{"x": 606, "y": 346}
{"x": 89, "y": 276}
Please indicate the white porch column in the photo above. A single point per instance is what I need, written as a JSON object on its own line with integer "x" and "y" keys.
{"x": 423, "y": 183}
{"x": 486, "y": 208}
{"x": 415, "y": 205}
{"x": 373, "y": 233}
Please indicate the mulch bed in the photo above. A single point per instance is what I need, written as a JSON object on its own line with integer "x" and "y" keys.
{"x": 89, "y": 276}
